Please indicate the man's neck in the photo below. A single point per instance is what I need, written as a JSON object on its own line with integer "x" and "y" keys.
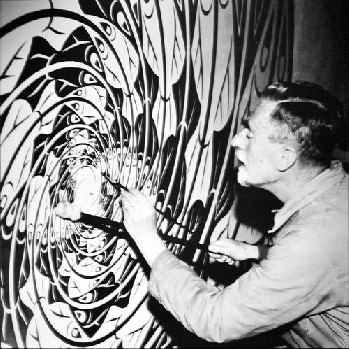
{"x": 293, "y": 181}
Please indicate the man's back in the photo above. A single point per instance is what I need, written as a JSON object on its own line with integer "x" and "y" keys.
{"x": 318, "y": 231}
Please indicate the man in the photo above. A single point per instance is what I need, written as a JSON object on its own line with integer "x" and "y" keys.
{"x": 302, "y": 284}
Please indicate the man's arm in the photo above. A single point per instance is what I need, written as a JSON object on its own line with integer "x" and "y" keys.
{"x": 285, "y": 286}
{"x": 232, "y": 251}
{"x": 140, "y": 222}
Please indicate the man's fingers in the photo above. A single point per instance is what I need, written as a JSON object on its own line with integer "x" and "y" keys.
{"x": 129, "y": 200}
{"x": 135, "y": 198}
{"x": 125, "y": 201}
{"x": 143, "y": 200}
{"x": 234, "y": 263}
{"x": 215, "y": 255}
{"x": 222, "y": 258}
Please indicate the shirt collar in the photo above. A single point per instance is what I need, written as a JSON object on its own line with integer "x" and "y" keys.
{"x": 312, "y": 190}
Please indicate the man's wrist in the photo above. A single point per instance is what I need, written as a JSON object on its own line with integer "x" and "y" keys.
{"x": 253, "y": 251}
{"x": 150, "y": 247}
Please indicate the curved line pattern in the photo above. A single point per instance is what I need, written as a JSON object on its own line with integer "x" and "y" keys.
{"x": 65, "y": 136}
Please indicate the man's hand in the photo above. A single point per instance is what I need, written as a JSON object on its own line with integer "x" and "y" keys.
{"x": 139, "y": 214}
{"x": 232, "y": 251}
{"x": 140, "y": 222}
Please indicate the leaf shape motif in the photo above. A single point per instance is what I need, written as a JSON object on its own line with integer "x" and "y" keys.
{"x": 213, "y": 56}
{"x": 38, "y": 206}
{"x": 26, "y": 293}
{"x": 16, "y": 158}
{"x": 118, "y": 55}
{"x": 163, "y": 42}
{"x": 165, "y": 126}
{"x": 13, "y": 58}
{"x": 199, "y": 161}
{"x": 10, "y": 72}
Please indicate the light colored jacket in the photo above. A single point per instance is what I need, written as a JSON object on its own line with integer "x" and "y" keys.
{"x": 303, "y": 282}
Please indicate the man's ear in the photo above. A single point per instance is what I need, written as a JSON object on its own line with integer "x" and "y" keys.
{"x": 287, "y": 158}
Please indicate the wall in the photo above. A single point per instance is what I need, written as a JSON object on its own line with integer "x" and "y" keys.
{"x": 148, "y": 94}
{"x": 321, "y": 50}
{"x": 145, "y": 93}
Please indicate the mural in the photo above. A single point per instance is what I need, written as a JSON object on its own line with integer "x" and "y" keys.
{"x": 145, "y": 93}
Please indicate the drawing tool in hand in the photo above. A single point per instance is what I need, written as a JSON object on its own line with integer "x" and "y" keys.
{"x": 115, "y": 184}
{"x": 118, "y": 186}
{"x": 71, "y": 212}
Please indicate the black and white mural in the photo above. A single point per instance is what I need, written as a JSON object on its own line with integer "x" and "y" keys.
{"x": 145, "y": 93}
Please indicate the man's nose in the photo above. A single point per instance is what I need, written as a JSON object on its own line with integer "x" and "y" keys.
{"x": 240, "y": 139}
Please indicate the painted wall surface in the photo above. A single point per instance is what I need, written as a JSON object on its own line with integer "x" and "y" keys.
{"x": 143, "y": 93}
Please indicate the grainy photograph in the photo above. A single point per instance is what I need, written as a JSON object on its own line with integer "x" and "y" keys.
{"x": 174, "y": 173}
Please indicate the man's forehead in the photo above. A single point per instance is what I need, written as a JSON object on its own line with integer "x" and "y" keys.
{"x": 262, "y": 111}
{"x": 264, "y": 107}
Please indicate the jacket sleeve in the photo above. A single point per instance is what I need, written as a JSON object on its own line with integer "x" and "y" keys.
{"x": 291, "y": 282}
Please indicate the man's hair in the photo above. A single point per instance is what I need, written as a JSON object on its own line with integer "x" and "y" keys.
{"x": 311, "y": 115}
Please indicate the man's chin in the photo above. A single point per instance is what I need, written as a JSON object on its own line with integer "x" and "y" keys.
{"x": 242, "y": 178}
{"x": 245, "y": 183}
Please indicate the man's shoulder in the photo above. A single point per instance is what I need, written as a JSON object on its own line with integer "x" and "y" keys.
{"x": 321, "y": 227}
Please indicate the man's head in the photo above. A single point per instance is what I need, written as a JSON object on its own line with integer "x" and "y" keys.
{"x": 294, "y": 123}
